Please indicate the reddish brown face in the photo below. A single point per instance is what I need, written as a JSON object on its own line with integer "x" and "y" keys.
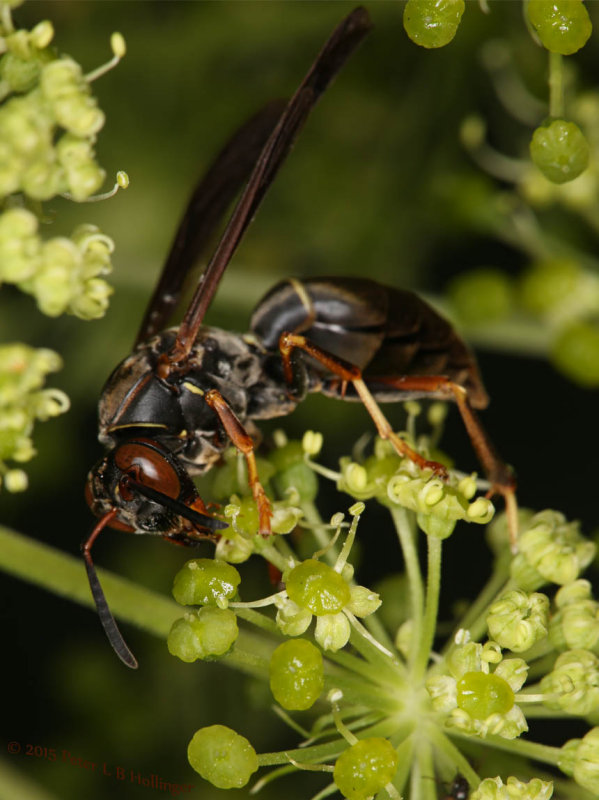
{"x": 150, "y": 489}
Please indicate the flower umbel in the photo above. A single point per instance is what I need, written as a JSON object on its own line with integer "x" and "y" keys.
{"x": 388, "y": 706}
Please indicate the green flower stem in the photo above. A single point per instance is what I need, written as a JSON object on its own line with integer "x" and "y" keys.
{"x": 271, "y": 553}
{"x": 452, "y": 754}
{"x": 407, "y": 539}
{"x": 315, "y": 754}
{"x": 259, "y": 620}
{"x": 321, "y": 535}
{"x": 376, "y": 628}
{"x": 433, "y": 587}
{"x": 17, "y": 785}
{"x": 423, "y": 789}
{"x": 383, "y": 674}
{"x": 357, "y": 692}
{"x": 65, "y": 576}
{"x": 556, "y": 86}
{"x": 522, "y": 748}
{"x": 405, "y": 757}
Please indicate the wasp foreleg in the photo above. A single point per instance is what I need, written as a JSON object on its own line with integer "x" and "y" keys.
{"x": 245, "y": 444}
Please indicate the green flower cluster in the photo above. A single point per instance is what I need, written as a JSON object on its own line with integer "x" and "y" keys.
{"x": 63, "y": 274}
{"x": 49, "y": 121}
{"x": 23, "y": 401}
{"x": 385, "y": 703}
{"x": 398, "y": 482}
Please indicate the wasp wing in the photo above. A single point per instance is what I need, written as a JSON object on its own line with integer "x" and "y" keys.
{"x": 211, "y": 197}
{"x": 342, "y": 42}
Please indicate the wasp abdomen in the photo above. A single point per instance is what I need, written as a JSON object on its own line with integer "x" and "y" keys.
{"x": 385, "y": 332}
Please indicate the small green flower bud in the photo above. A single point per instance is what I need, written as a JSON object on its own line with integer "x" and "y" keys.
{"x": 332, "y": 631}
{"x": 560, "y": 150}
{"x": 291, "y": 619}
{"x": 74, "y": 108}
{"x": 514, "y": 671}
{"x": 467, "y": 486}
{"x": 284, "y": 518}
{"x": 586, "y": 761}
{"x": 563, "y": 26}
{"x": 464, "y": 658}
{"x": 42, "y": 34}
{"x": 312, "y": 443}
{"x": 222, "y": 757}
{"x": 551, "y": 548}
{"x": 573, "y": 683}
{"x": 576, "y": 623}
{"x": 204, "y": 635}
{"x": 15, "y": 480}
{"x": 122, "y": 179}
{"x": 317, "y": 587}
{"x": 482, "y": 295}
{"x": 234, "y": 549}
{"x": 513, "y": 789}
{"x": 205, "y": 581}
{"x": 518, "y": 620}
{"x": 363, "y": 601}
{"x": 432, "y": 23}
{"x": 567, "y": 756}
{"x": 575, "y": 352}
{"x": 296, "y": 674}
{"x": 118, "y": 44}
{"x": 354, "y": 480}
{"x": 19, "y": 245}
{"x": 365, "y": 768}
{"x": 443, "y": 693}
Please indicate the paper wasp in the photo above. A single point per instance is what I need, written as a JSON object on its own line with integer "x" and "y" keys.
{"x": 170, "y": 409}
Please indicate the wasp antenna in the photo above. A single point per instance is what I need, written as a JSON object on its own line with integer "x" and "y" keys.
{"x": 204, "y": 520}
{"x": 115, "y": 637}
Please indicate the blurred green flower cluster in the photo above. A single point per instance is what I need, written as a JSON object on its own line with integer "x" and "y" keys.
{"x": 49, "y": 121}
{"x": 23, "y": 401}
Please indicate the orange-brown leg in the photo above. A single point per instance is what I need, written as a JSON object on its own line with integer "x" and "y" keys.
{"x": 288, "y": 342}
{"x": 500, "y": 475}
{"x": 244, "y": 443}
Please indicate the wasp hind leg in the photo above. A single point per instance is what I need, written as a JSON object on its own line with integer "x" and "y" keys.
{"x": 498, "y": 472}
{"x": 289, "y": 342}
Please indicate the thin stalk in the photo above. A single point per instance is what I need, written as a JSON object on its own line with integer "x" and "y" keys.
{"x": 431, "y": 608}
{"x": 523, "y": 748}
{"x": 556, "y": 86}
{"x": 446, "y": 748}
{"x": 406, "y": 534}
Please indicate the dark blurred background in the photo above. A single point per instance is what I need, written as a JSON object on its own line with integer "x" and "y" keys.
{"x": 367, "y": 191}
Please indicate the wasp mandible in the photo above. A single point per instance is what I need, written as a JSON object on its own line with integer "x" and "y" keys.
{"x": 170, "y": 409}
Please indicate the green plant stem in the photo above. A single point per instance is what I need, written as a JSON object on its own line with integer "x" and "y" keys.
{"x": 523, "y": 748}
{"x": 452, "y": 755}
{"x": 407, "y": 539}
{"x": 556, "y": 86}
{"x": 431, "y": 608}
{"x": 65, "y": 576}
